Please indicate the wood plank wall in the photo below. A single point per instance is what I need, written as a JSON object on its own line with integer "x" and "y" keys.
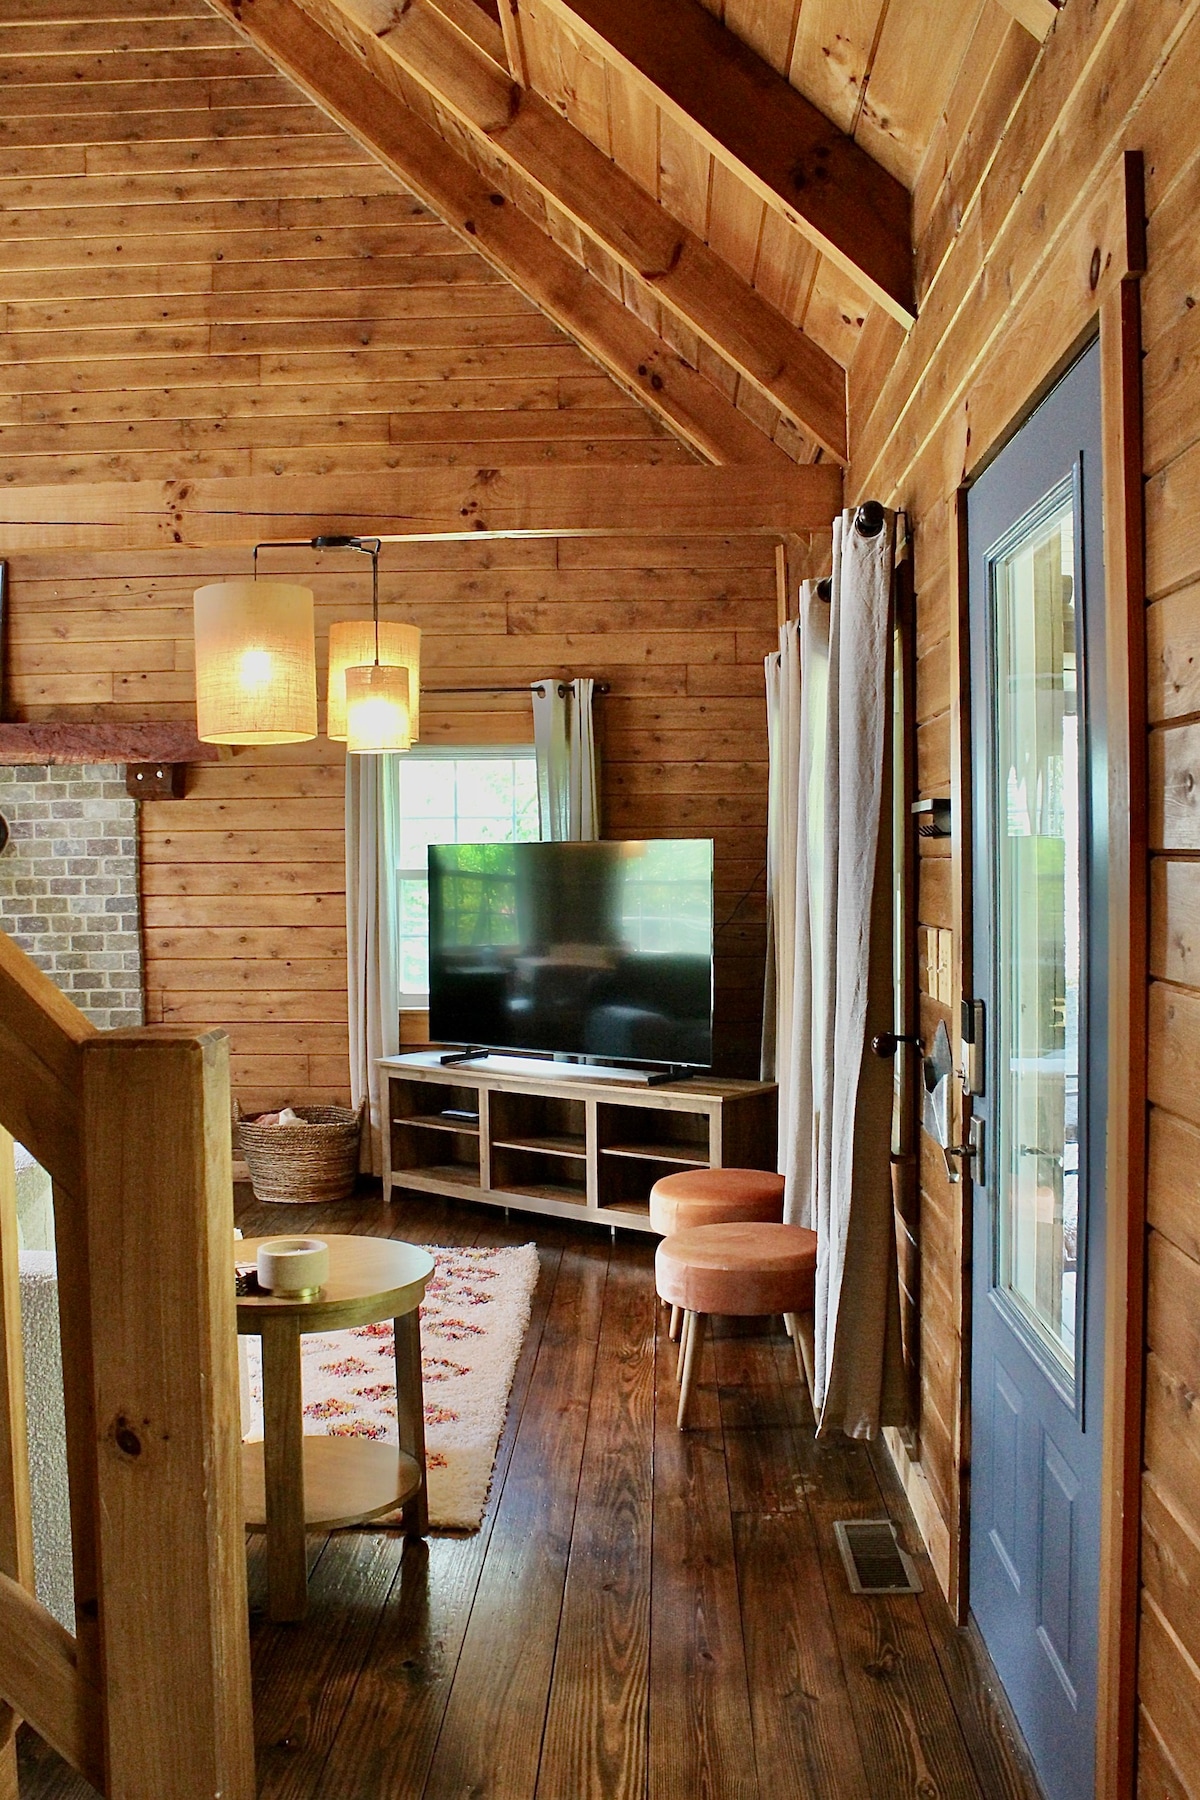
{"x": 1010, "y": 243}
{"x": 200, "y": 275}
{"x": 243, "y": 881}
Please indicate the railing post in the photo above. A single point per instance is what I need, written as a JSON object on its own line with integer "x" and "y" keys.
{"x": 16, "y": 1531}
{"x": 173, "y": 1614}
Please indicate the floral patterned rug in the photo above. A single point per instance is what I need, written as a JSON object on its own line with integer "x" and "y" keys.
{"x": 473, "y": 1321}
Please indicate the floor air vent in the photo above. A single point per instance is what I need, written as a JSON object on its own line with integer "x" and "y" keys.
{"x": 875, "y": 1563}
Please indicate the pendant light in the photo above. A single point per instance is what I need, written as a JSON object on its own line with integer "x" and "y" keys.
{"x": 378, "y": 717}
{"x": 377, "y": 696}
{"x": 256, "y": 672}
{"x": 352, "y": 644}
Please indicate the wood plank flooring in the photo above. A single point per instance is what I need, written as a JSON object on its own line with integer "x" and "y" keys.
{"x": 644, "y": 1615}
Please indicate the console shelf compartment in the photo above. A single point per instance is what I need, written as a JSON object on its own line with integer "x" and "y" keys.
{"x": 568, "y": 1146}
{"x": 550, "y": 1146}
{"x": 685, "y": 1155}
{"x": 435, "y": 1122}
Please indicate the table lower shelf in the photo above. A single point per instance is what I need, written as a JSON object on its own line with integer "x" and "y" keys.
{"x": 346, "y": 1480}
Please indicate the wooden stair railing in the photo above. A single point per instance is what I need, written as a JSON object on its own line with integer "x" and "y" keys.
{"x": 150, "y": 1699}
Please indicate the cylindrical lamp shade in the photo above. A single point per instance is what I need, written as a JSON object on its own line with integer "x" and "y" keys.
{"x": 256, "y": 669}
{"x": 377, "y": 710}
{"x": 352, "y": 644}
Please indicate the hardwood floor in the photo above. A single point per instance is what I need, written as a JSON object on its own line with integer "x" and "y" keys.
{"x": 644, "y": 1615}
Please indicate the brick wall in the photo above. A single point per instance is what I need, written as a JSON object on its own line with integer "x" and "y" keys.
{"x": 69, "y": 884}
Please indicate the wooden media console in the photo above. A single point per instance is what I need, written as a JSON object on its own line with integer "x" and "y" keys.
{"x": 578, "y": 1146}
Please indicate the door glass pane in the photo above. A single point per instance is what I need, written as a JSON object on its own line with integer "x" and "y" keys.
{"x": 1038, "y": 929}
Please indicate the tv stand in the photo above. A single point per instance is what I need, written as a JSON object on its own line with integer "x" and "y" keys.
{"x": 574, "y": 1141}
{"x": 662, "y": 1077}
{"x": 461, "y": 1056}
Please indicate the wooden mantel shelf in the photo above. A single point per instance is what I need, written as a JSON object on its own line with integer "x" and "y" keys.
{"x": 58, "y": 741}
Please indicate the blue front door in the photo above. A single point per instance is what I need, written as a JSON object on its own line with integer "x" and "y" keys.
{"x": 1036, "y": 606}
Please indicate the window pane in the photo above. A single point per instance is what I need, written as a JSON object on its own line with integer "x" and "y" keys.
{"x": 1040, "y": 916}
{"x": 470, "y": 799}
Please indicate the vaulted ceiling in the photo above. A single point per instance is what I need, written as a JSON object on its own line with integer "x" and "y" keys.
{"x": 712, "y": 199}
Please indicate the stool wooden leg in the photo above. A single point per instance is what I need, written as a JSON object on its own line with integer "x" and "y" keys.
{"x": 693, "y": 1327}
{"x": 673, "y": 1328}
{"x": 800, "y": 1326}
{"x": 685, "y": 1327}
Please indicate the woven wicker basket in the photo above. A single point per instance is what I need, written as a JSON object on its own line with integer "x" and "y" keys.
{"x": 317, "y": 1161}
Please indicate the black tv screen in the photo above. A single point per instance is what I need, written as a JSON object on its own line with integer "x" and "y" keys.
{"x": 596, "y": 949}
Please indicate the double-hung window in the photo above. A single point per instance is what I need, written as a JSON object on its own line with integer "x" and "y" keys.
{"x": 454, "y": 796}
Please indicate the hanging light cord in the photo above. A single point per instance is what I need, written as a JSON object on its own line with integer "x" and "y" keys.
{"x": 369, "y": 547}
{"x": 374, "y": 554}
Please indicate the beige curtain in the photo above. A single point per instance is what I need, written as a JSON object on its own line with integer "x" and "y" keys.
{"x": 830, "y": 863}
{"x": 796, "y": 719}
{"x": 567, "y": 762}
{"x": 372, "y": 845}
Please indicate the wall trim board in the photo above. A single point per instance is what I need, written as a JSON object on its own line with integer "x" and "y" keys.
{"x": 424, "y": 504}
{"x": 962, "y": 987}
{"x": 935, "y": 1534}
{"x": 1129, "y": 986}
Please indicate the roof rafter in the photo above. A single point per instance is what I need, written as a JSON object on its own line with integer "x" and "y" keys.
{"x": 469, "y": 78}
{"x": 354, "y": 96}
{"x": 753, "y": 121}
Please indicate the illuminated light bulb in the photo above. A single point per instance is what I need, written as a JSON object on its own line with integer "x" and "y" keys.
{"x": 378, "y": 716}
{"x": 352, "y": 644}
{"x": 256, "y": 668}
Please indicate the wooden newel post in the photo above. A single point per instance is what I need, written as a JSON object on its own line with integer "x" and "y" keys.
{"x": 173, "y": 1624}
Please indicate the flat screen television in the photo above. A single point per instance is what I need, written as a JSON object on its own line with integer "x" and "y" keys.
{"x": 596, "y": 950}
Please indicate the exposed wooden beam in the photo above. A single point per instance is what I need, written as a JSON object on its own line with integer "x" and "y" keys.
{"x": 514, "y": 40}
{"x": 1037, "y": 16}
{"x": 472, "y": 83}
{"x": 755, "y": 123}
{"x": 772, "y": 500}
{"x": 96, "y": 741}
{"x": 352, "y": 94}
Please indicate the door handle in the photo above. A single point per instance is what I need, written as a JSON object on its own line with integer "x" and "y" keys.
{"x": 971, "y": 1150}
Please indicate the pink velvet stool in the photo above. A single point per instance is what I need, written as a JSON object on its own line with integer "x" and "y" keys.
{"x": 741, "y": 1270}
{"x": 714, "y": 1197}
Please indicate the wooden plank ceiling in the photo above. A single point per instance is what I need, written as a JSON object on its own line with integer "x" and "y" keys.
{"x": 713, "y": 199}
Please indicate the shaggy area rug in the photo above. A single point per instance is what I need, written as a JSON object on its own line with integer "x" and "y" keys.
{"x": 473, "y": 1320}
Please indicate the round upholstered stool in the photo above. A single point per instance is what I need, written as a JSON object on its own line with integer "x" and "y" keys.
{"x": 713, "y": 1197}
{"x": 741, "y": 1271}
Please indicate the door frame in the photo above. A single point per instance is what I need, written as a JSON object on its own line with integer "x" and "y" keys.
{"x": 1112, "y": 309}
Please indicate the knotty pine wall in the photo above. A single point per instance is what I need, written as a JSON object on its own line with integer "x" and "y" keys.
{"x": 1013, "y": 244}
{"x": 200, "y": 275}
{"x": 243, "y": 881}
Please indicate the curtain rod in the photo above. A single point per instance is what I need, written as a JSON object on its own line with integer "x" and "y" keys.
{"x": 564, "y": 688}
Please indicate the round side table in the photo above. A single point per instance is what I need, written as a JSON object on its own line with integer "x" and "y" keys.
{"x": 293, "y": 1482}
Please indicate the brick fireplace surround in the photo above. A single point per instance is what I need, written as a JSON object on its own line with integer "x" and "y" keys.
{"x": 69, "y": 884}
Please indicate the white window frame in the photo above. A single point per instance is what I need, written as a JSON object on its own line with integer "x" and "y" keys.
{"x": 417, "y": 1002}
